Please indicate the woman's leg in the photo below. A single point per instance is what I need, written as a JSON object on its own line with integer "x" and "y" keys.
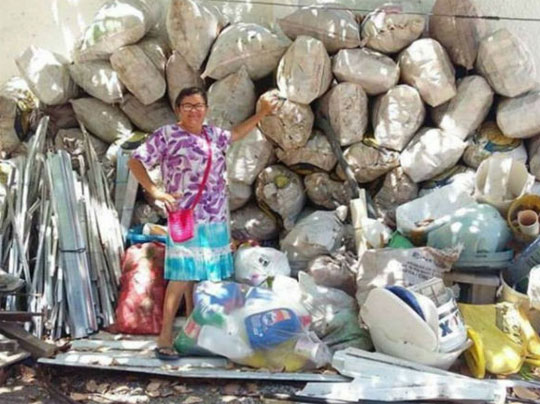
{"x": 173, "y": 296}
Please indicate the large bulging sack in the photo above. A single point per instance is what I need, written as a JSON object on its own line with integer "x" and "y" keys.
{"x": 98, "y": 79}
{"x": 320, "y": 233}
{"x": 459, "y": 176}
{"x": 375, "y": 72}
{"x": 249, "y": 45}
{"x": 345, "y": 106}
{"x": 105, "y": 121}
{"x": 290, "y": 126}
{"x": 368, "y": 163}
{"x": 397, "y": 189}
{"x": 518, "y": 117}
{"x": 239, "y": 194}
{"x": 148, "y": 118}
{"x": 464, "y": 113}
{"x": 397, "y": 116}
{"x": 18, "y": 108}
{"x": 158, "y": 51}
{"x": 139, "y": 74}
{"x": 325, "y": 192}
{"x": 534, "y": 159}
{"x": 391, "y": 28}
{"x": 193, "y": 27}
{"x": 430, "y": 153}
{"x": 317, "y": 152}
{"x": 304, "y": 72}
{"x": 247, "y": 157}
{"x": 281, "y": 190}
{"x": 47, "y": 75}
{"x": 252, "y": 223}
{"x": 489, "y": 140}
{"x": 506, "y": 63}
{"x": 459, "y": 36}
{"x": 231, "y": 100}
{"x": 142, "y": 290}
{"x": 337, "y": 271}
{"x": 426, "y": 66}
{"x": 179, "y": 76}
{"x": 321, "y": 23}
{"x": 117, "y": 23}
{"x": 73, "y": 142}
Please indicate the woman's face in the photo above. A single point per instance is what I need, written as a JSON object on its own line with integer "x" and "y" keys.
{"x": 192, "y": 110}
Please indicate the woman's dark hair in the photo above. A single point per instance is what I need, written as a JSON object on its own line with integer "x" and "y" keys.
{"x": 186, "y": 92}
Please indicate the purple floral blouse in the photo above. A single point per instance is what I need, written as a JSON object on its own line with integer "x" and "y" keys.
{"x": 183, "y": 157}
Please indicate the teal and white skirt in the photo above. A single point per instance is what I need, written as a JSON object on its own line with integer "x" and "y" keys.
{"x": 207, "y": 256}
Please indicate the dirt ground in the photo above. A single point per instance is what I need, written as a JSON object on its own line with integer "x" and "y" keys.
{"x": 32, "y": 384}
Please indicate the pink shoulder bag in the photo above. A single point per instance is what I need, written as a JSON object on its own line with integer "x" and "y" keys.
{"x": 181, "y": 222}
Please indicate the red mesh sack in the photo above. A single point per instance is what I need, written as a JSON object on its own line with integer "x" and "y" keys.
{"x": 142, "y": 290}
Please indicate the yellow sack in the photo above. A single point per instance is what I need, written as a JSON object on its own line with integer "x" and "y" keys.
{"x": 474, "y": 356}
{"x": 500, "y": 328}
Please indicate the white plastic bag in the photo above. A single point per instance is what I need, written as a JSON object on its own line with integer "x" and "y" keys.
{"x": 252, "y": 223}
{"x": 148, "y": 118}
{"x": 464, "y": 113}
{"x": 345, "y": 105}
{"x": 325, "y": 192}
{"x": 247, "y": 157}
{"x": 430, "y": 153}
{"x": 245, "y": 44}
{"x": 396, "y": 190}
{"x": 47, "y": 75}
{"x": 282, "y": 191}
{"x": 320, "y": 23}
{"x": 254, "y": 265}
{"x": 391, "y": 28}
{"x": 368, "y": 163}
{"x": 304, "y": 72}
{"x": 139, "y": 74}
{"x": 318, "y": 233}
{"x": 192, "y": 28}
{"x": 375, "y": 72}
{"x": 290, "y": 126}
{"x": 506, "y": 63}
{"x": 98, "y": 79}
{"x": 317, "y": 152}
{"x": 426, "y": 66}
{"x": 460, "y": 36}
{"x": 231, "y": 100}
{"x": 179, "y": 76}
{"x": 105, "y": 121}
{"x": 397, "y": 116}
{"x": 518, "y": 117}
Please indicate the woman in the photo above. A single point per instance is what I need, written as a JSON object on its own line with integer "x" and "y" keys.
{"x": 182, "y": 152}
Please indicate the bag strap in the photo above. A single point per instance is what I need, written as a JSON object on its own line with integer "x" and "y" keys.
{"x": 206, "y": 171}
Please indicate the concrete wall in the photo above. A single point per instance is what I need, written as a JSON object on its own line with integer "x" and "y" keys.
{"x": 57, "y": 24}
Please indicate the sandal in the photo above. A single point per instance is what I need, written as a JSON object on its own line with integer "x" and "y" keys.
{"x": 166, "y": 353}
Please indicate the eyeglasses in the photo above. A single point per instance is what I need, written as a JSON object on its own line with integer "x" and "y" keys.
{"x": 192, "y": 107}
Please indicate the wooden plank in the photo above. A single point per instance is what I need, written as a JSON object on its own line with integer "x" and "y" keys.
{"x": 27, "y": 341}
{"x": 20, "y": 316}
{"x": 142, "y": 359}
{"x": 207, "y": 373}
{"x": 125, "y": 345}
{"x": 7, "y": 359}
